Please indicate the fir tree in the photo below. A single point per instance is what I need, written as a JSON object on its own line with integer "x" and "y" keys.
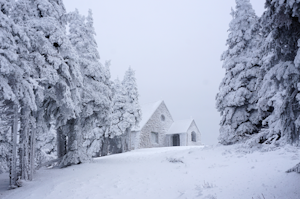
{"x": 96, "y": 90}
{"x": 237, "y": 97}
{"x": 126, "y": 111}
{"x": 17, "y": 92}
{"x": 131, "y": 89}
{"x": 279, "y": 98}
{"x": 55, "y": 65}
{"x": 120, "y": 114}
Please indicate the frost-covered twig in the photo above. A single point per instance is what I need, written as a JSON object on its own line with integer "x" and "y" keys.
{"x": 207, "y": 185}
{"x": 294, "y": 169}
{"x": 175, "y": 160}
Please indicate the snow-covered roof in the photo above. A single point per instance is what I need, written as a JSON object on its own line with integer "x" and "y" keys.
{"x": 147, "y": 112}
{"x": 180, "y": 126}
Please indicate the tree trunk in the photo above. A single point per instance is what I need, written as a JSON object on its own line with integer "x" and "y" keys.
{"x": 24, "y": 138}
{"x": 61, "y": 143}
{"x": 13, "y": 169}
{"x": 32, "y": 153}
{"x": 104, "y": 147}
{"x": 75, "y": 152}
{"x": 129, "y": 142}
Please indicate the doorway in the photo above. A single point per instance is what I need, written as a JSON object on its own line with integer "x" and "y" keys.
{"x": 176, "y": 140}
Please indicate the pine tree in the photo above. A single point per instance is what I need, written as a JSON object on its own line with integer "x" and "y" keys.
{"x": 17, "y": 91}
{"x": 120, "y": 115}
{"x": 237, "y": 97}
{"x": 55, "y": 65}
{"x": 96, "y": 90}
{"x": 8, "y": 59}
{"x": 133, "y": 106}
{"x": 279, "y": 98}
{"x": 126, "y": 113}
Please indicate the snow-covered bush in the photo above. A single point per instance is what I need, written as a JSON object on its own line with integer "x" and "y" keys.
{"x": 175, "y": 160}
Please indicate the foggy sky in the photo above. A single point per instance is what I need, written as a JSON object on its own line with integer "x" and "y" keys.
{"x": 173, "y": 45}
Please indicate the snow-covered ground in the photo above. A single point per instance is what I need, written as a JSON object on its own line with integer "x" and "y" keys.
{"x": 175, "y": 172}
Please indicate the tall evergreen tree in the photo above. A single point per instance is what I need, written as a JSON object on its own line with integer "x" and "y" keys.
{"x": 279, "y": 99}
{"x": 237, "y": 97}
{"x": 55, "y": 65}
{"x": 120, "y": 114}
{"x": 17, "y": 92}
{"x": 125, "y": 114}
{"x": 126, "y": 111}
{"x": 131, "y": 89}
{"x": 96, "y": 90}
{"x": 279, "y": 96}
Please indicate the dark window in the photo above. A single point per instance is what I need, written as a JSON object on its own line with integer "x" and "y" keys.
{"x": 162, "y": 117}
{"x": 176, "y": 140}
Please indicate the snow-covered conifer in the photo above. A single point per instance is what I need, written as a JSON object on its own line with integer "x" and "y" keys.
{"x": 126, "y": 111}
{"x": 120, "y": 116}
{"x": 237, "y": 98}
{"x": 125, "y": 114}
{"x": 96, "y": 90}
{"x": 278, "y": 97}
{"x": 55, "y": 65}
{"x": 115, "y": 139}
{"x": 8, "y": 60}
{"x": 133, "y": 106}
{"x": 17, "y": 91}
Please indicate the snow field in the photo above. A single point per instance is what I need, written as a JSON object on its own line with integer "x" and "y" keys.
{"x": 223, "y": 172}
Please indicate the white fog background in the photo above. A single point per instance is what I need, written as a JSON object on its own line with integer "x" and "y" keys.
{"x": 173, "y": 45}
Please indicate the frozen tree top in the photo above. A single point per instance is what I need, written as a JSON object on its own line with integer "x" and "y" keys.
{"x": 180, "y": 126}
{"x": 147, "y": 111}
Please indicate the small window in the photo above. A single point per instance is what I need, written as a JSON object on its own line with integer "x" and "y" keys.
{"x": 193, "y": 136}
{"x": 162, "y": 117}
{"x": 154, "y": 138}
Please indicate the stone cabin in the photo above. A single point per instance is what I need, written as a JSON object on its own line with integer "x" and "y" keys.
{"x": 158, "y": 129}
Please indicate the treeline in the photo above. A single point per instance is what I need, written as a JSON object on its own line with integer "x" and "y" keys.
{"x": 259, "y": 97}
{"x": 57, "y": 101}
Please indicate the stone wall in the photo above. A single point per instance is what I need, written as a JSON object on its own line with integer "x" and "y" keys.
{"x": 157, "y": 125}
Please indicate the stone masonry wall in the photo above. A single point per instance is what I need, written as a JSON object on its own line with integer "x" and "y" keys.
{"x": 155, "y": 124}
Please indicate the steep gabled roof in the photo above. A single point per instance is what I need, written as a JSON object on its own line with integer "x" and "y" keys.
{"x": 147, "y": 112}
{"x": 180, "y": 126}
